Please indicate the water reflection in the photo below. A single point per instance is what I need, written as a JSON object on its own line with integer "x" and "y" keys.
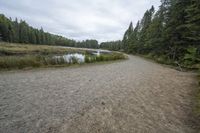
{"x": 77, "y": 57}
{"x": 99, "y": 52}
{"x": 71, "y": 58}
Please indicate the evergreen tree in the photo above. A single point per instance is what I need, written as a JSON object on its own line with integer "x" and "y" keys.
{"x": 193, "y": 23}
{"x": 154, "y": 40}
{"x": 32, "y": 36}
{"x": 172, "y": 33}
{"x": 127, "y": 38}
{"x": 134, "y": 40}
{"x": 112, "y": 45}
{"x": 4, "y": 31}
{"x": 16, "y": 31}
{"x": 145, "y": 23}
{"x": 23, "y": 32}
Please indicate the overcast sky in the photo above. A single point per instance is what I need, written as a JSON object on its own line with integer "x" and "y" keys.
{"x": 104, "y": 20}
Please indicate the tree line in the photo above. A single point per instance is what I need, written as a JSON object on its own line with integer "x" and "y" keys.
{"x": 20, "y": 32}
{"x": 172, "y": 34}
{"x": 112, "y": 45}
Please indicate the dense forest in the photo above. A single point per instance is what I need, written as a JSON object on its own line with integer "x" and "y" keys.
{"x": 20, "y": 32}
{"x": 170, "y": 35}
{"x": 112, "y": 45}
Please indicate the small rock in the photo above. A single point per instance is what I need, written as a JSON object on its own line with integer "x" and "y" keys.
{"x": 103, "y": 103}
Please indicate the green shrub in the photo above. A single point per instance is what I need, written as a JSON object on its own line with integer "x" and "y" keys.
{"x": 87, "y": 59}
{"x": 100, "y": 58}
{"x": 90, "y": 59}
{"x": 74, "y": 60}
{"x": 191, "y": 57}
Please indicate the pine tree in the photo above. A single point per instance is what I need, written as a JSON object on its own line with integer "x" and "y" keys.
{"x": 11, "y": 32}
{"x": 23, "y": 32}
{"x": 133, "y": 46}
{"x": 154, "y": 40}
{"x": 171, "y": 34}
{"x": 193, "y": 22}
{"x": 177, "y": 44}
{"x": 42, "y": 36}
{"x": 16, "y": 31}
{"x": 145, "y": 23}
{"x": 32, "y": 36}
{"x": 4, "y": 31}
{"x": 127, "y": 38}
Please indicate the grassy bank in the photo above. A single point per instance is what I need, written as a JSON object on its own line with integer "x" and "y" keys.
{"x": 18, "y": 56}
{"x": 178, "y": 65}
{"x": 12, "y": 49}
{"x": 105, "y": 57}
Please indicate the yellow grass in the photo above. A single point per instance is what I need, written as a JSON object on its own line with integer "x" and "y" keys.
{"x": 15, "y": 49}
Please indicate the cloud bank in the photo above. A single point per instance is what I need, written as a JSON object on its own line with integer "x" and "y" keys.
{"x": 104, "y": 20}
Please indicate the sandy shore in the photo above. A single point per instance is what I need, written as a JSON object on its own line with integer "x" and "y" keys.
{"x": 132, "y": 96}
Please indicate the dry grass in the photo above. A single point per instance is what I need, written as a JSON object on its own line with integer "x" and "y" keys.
{"x": 7, "y": 49}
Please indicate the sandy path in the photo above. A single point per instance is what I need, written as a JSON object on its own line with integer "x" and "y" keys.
{"x": 129, "y": 96}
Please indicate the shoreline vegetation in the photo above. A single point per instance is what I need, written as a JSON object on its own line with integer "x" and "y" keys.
{"x": 20, "y": 56}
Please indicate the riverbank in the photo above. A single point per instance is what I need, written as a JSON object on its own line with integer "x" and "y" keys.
{"x": 20, "y": 56}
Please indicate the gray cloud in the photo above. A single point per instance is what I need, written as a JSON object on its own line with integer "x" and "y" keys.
{"x": 103, "y": 20}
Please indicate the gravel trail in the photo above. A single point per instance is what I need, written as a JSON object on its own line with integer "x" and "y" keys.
{"x": 132, "y": 96}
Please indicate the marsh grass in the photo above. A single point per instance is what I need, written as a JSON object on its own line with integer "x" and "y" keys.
{"x": 19, "y": 56}
{"x": 9, "y": 49}
{"x": 19, "y": 62}
{"x": 105, "y": 57}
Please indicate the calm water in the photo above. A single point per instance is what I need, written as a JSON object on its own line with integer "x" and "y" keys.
{"x": 70, "y": 58}
{"x": 77, "y": 57}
